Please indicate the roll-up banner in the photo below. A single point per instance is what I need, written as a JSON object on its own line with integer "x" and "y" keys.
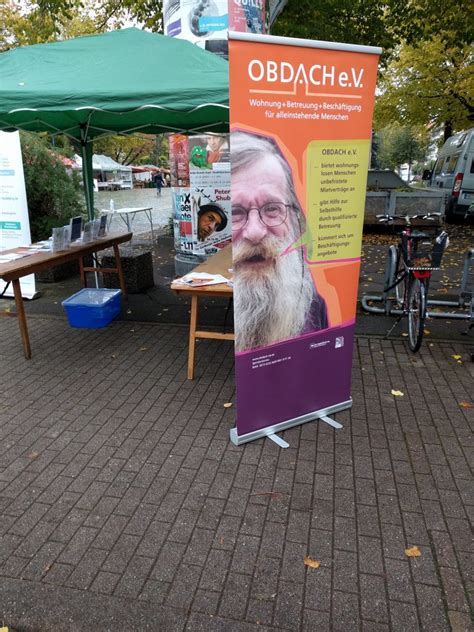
{"x": 14, "y": 219}
{"x": 301, "y": 120}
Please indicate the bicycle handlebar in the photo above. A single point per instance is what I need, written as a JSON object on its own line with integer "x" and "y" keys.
{"x": 407, "y": 218}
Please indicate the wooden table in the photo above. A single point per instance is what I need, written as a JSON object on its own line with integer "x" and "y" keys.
{"x": 220, "y": 263}
{"x": 14, "y": 270}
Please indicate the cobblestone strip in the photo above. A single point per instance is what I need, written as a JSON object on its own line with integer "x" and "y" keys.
{"x": 118, "y": 482}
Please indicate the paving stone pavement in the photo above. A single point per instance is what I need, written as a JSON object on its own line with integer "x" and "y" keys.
{"x": 125, "y": 507}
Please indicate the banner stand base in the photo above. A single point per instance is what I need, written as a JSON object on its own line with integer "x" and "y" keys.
{"x": 270, "y": 431}
{"x": 278, "y": 440}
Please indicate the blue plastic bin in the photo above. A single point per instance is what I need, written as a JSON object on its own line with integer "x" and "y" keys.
{"x": 92, "y": 308}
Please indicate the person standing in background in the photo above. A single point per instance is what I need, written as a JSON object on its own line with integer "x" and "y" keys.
{"x": 159, "y": 182}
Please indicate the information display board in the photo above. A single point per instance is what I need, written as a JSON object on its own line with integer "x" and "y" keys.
{"x": 14, "y": 220}
{"x": 301, "y": 120}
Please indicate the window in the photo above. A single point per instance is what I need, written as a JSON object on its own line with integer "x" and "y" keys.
{"x": 451, "y": 163}
{"x": 438, "y": 166}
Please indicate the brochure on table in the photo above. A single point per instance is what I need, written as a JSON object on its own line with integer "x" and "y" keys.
{"x": 14, "y": 220}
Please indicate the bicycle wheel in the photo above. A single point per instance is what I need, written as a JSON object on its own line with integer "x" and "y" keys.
{"x": 416, "y": 313}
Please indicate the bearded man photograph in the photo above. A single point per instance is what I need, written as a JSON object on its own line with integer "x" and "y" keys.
{"x": 274, "y": 294}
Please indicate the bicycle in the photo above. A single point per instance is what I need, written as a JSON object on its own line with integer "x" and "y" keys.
{"x": 408, "y": 272}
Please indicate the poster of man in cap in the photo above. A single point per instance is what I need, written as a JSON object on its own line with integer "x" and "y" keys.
{"x": 211, "y": 218}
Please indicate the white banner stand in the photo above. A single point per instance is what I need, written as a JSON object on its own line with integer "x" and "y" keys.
{"x": 14, "y": 219}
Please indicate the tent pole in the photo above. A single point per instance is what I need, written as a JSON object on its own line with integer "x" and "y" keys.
{"x": 87, "y": 177}
{"x": 86, "y": 155}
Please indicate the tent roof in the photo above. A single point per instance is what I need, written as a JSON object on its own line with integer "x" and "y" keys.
{"x": 101, "y": 163}
{"x": 121, "y": 81}
{"x": 108, "y": 164}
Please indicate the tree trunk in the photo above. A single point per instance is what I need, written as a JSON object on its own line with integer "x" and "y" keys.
{"x": 448, "y": 130}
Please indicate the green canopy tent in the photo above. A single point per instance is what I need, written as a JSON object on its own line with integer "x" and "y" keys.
{"x": 120, "y": 82}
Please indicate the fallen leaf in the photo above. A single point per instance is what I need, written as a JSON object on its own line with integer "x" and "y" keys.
{"x": 33, "y": 455}
{"x": 404, "y": 334}
{"x": 113, "y": 356}
{"x": 129, "y": 311}
{"x": 466, "y": 405}
{"x": 456, "y": 357}
{"x": 397, "y": 393}
{"x": 414, "y": 551}
{"x": 426, "y": 332}
{"x": 227, "y": 404}
{"x": 143, "y": 348}
{"x": 272, "y": 494}
{"x": 312, "y": 563}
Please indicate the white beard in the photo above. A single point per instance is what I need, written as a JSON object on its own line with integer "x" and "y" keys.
{"x": 270, "y": 304}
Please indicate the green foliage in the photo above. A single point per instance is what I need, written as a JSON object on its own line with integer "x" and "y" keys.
{"x": 415, "y": 22}
{"x": 351, "y": 21}
{"x": 386, "y": 24}
{"x": 39, "y": 21}
{"x": 140, "y": 149}
{"x": 53, "y": 196}
{"x": 161, "y": 152}
{"x": 398, "y": 145}
{"x": 428, "y": 84}
{"x": 427, "y": 53}
{"x": 148, "y": 13}
{"x": 127, "y": 150}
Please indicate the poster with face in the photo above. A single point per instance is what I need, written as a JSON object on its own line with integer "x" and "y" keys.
{"x": 301, "y": 124}
{"x": 210, "y": 207}
{"x": 247, "y": 16}
{"x": 201, "y": 22}
{"x": 209, "y": 153}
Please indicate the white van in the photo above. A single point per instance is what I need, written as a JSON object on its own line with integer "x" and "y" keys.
{"x": 454, "y": 171}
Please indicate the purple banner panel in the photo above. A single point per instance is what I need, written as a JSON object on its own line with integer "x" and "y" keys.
{"x": 293, "y": 378}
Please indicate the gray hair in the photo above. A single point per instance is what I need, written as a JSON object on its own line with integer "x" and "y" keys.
{"x": 246, "y": 148}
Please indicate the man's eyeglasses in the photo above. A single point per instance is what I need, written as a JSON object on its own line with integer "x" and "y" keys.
{"x": 271, "y": 214}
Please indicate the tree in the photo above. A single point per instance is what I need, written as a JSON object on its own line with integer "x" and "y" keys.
{"x": 401, "y": 145}
{"x": 430, "y": 85}
{"x": 417, "y": 21}
{"x": 425, "y": 74}
{"x": 53, "y": 195}
{"x": 49, "y": 20}
{"x": 353, "y": 21}
{"x": 35, "y": 23}
{"x": 386, "y": 24}
{"x": 127, "y": 150}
